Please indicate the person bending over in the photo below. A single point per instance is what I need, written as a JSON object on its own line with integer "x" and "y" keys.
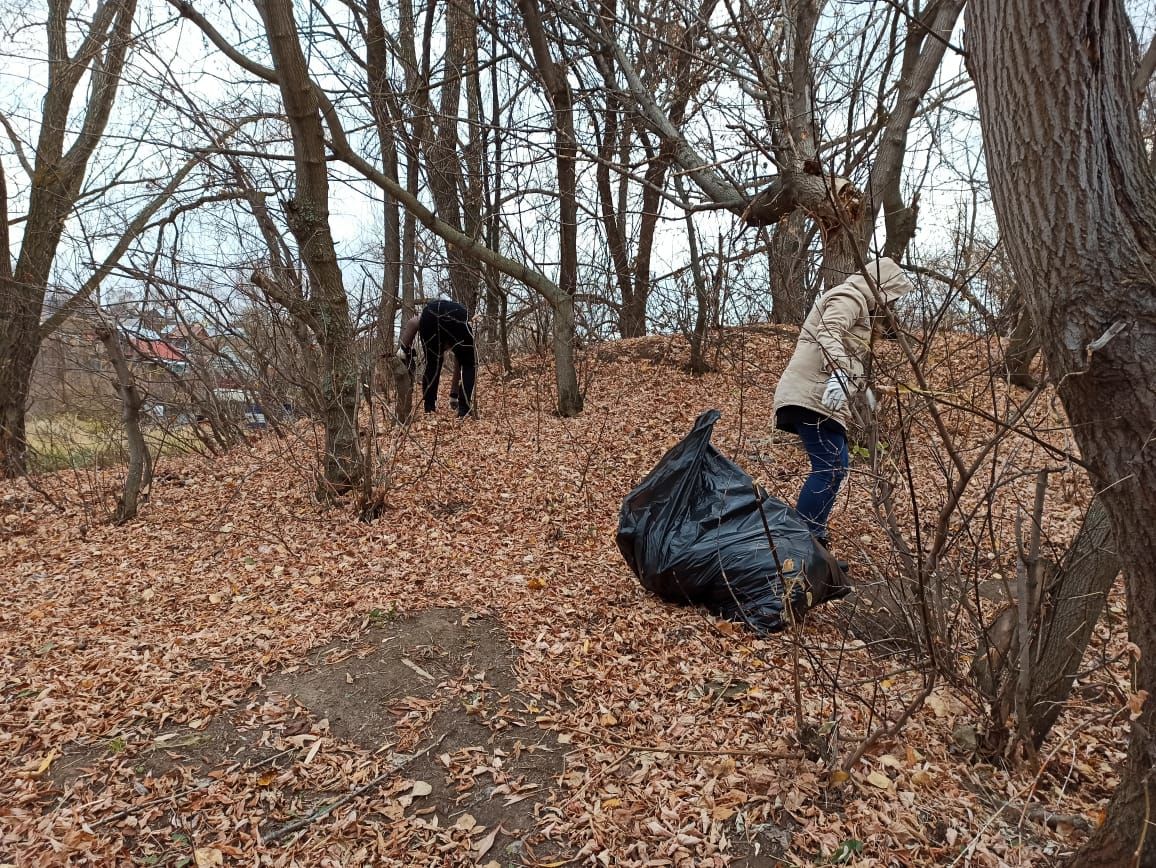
{"x": 826, "y": 369}
{"x": 443, "y": 326}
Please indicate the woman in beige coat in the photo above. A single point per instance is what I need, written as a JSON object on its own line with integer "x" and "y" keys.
{"x": 827, "y": 368}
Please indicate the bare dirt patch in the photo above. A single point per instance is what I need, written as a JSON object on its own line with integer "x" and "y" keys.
{"x": 489, "y": 765}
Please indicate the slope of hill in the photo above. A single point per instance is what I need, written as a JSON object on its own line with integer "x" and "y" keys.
{"x": 475, "y": 677}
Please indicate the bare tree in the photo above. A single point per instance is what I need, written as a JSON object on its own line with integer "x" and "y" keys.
{"x": 307, "y": 213}
{"x": 1076, "y": 201}
{"x": 56, "y": 175}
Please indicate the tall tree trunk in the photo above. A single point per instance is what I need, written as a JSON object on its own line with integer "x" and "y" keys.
{"x": 412, "y": 172}
{"x": 473, "y": 152}
{"x": 566, "y": 145}
{"x": 565, "y": 369}
{"x": 634, "y": 307}
{"x": 385, "y": 108}
{"x": 1076, "y": 203}
{"x": 451, "y": 192}
{"x": 794, "y": 136}
{"x": 612, "y": 135}
{"x": 17, "y": 358}
{"x": 439, "y": 140}
{"x": 307, "y": 214}
{"x": 497, "y": 300}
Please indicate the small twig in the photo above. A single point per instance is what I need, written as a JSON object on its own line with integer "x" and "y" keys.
{"x": 300, "y": 823}
{"x": 893, "y": 729}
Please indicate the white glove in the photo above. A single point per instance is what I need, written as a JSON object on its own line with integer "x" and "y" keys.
{"x": 838, "y": 390}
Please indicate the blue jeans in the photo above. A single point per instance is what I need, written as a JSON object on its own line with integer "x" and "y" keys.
{"x": 826, "y": 443}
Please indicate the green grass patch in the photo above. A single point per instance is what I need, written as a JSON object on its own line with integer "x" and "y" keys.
{"x": 67, "y": 442}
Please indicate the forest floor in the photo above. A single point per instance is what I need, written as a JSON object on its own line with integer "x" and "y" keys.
{"x": 245, "y": 676}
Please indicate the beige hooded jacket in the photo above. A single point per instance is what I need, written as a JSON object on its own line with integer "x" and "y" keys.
{"x": 836, "y": 335}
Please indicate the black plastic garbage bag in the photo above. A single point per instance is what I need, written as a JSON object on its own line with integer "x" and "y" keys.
{"x": 696, "y": 530}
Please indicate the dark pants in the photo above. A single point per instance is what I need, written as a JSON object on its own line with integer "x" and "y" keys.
{"x": 826, "y": 443}
{"x": 444, "y": 327}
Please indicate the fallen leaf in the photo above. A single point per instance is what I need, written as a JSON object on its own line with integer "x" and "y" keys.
{"x": 313, "y": 751}
{"x": 45, "y": 763}
{"x": 483, "y": 846}
{"x": 417, "y": 669}
{"x": 880, "y": 780}
{"x": 420, "y": 788}
{"x": 207, "y": 857}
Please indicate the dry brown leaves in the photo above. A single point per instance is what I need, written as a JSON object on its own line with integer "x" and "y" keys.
{"x": 678, "y": 728}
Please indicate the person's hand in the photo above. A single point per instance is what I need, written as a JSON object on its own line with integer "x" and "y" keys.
{"x": 837, "y": 392}
{"x": 405, "y": 356}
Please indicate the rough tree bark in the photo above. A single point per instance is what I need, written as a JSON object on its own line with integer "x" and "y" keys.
{"x": 566, "y": 144}
{"x": 140, "y": 467}
{"x": 1072, "y": 605}
{"x": 55, "y": 179}
{"x": 1076, "y": 203}
{"x": 307, "y": 214}
{"x": 1023, "y": 346}
{"x": 1073, "y": 598}
{"x": 790, "y": 299}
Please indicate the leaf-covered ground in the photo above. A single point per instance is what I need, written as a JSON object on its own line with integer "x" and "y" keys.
{"x": 165, "y": 698}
